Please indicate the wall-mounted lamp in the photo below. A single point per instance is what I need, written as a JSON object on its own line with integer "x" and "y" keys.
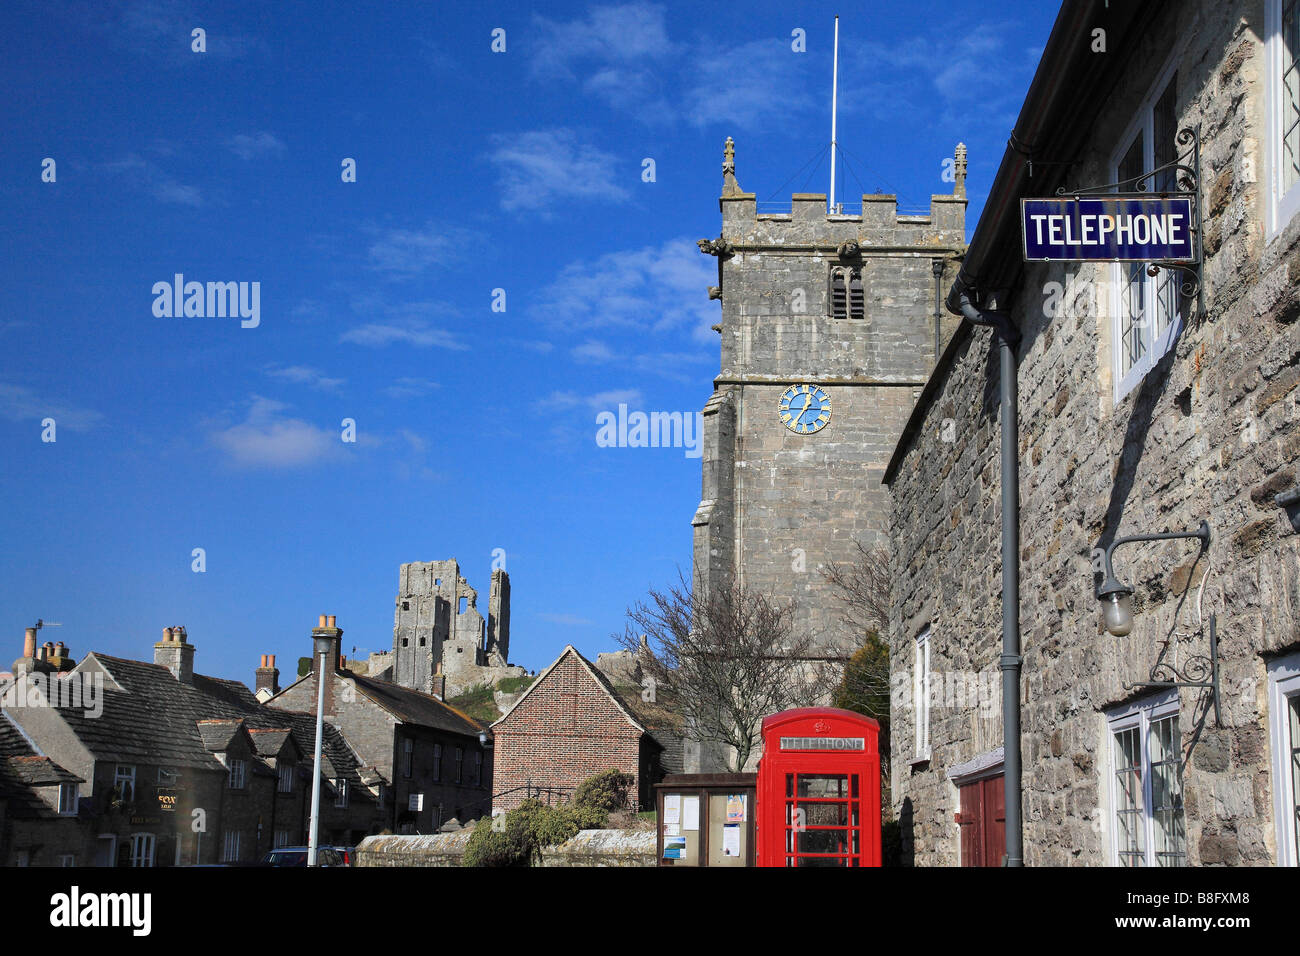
{"x": 1116, "y": 599}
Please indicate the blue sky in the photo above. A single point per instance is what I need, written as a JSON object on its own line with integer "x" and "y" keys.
{"x": 475, "y": 171}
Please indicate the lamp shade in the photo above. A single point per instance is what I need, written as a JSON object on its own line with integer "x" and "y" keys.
{"x": 1117, "y": 612}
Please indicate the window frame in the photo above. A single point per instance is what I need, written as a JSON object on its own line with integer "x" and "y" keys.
{"x": 341, "y": 792}
{"x": 119, "y": 778}
{"x": 437, "y": 763}
{"x": 285, "y": 775}
{"x": 1281, "y": 206}
{"x": 231, "y": 840}
{"x": 1141, "y": 714}
{"x": 408, "y": 757}
{"x": 68, "y": 807}
{"x": 921, "y": 682}
{"x": 238, "y": 770}
{"x": 478, "y": 768}
{"x": 460, "y": 764}
{"x": 139, "y": 840}
{"x": 1283, "y": 686}
{"x": 1143, "y": 124}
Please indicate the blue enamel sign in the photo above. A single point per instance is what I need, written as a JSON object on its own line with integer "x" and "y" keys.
{"x": 1108, "y": 229}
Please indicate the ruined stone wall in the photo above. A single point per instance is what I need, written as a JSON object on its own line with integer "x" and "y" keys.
{"x": 1212, "y": 432}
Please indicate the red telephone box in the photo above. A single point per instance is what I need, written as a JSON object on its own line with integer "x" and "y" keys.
{"x": 818, "y": 800}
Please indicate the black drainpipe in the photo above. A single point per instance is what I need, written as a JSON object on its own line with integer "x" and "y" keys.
{"x": 1008, "y": 338}
{"x": 938, "y": 298}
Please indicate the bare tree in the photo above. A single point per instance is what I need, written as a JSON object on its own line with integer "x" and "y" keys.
{"x": 728, "y": 658}
{"x": 862, "y": 589}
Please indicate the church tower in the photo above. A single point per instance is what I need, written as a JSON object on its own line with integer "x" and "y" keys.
{"x": 829, "y": 330}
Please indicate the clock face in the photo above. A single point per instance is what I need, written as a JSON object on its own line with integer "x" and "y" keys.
{"x": 805, "y": 409}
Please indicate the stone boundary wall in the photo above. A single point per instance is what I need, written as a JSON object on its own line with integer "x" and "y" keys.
{"x": 587, "y": 848}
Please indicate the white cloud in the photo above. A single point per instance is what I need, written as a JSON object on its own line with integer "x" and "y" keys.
{"x": 402, "y": 253}
{"x": 619, "y": 33}
{"x": 269, "y": 439}
{"x": 592, "y": 351}
{"x": 247, "y": 146}
{"x": 305, "y": 375}
{"x": 410, "y": 388}
{"x": 597, "y": 401}
{"x": 759, "y": 84}
{"x": 19, "y": 403}
{"x": 539, "y": 168}
{"x": 653, "y": 289}
{"x": 416, "y": 332}
{"x": 160, "y": 184}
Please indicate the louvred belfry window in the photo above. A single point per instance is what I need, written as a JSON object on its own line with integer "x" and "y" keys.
{"x": 847, "y": 294}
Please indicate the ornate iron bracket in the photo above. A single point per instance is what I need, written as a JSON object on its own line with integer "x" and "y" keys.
{"x": 1198, "y": 671}
{"x": 1179, "y": 177}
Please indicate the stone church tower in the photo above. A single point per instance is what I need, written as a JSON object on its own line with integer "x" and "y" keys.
{"x": 829, "y": 331}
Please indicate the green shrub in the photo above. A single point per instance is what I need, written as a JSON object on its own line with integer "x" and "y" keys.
{"x": 512, "y": 685}
{"x": 605, "y": 791}
{"x": 512, "y": 845}
{"x": 525, "y": 831}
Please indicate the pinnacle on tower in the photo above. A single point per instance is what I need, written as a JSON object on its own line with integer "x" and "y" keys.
{"x": 729, "y": 185}
{"x": 959, "y": 169}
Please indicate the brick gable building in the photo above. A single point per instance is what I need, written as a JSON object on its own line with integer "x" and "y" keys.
{"x": 569, "y": 725}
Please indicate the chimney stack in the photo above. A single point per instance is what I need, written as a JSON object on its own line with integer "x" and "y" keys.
{"x": 327, "y": 639}
{"x": 30, "y": 661}
{"x": 59, "y": 658}
{"x": 175, "y": 654}
{"x": 267, "y": 676}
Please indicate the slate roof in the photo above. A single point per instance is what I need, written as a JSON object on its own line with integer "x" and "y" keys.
{"x": 150, "y": 717}
{"x": 412, "y": 707}
{"x": 21, "y": 769}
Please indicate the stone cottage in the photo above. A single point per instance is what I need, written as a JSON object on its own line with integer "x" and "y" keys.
{"x": 1145, "y": 406}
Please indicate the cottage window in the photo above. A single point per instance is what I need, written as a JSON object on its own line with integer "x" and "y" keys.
{"x": 1147, "y": 784}
{"x": 1282, "y": 102}
{"x": 124, "y": 782}
{"x": 67, "y": 859}
{"x": 1284, "y": 732}
{"x": 237, "y": 774}
{"x": 437, "y": 762}
{"x": 285, "y": 772}
{"x": 1147, "y": 310}
{"x": 408, "y": 756}
{"x": 460, "y": 760}
{"x": 67, "y": 798}
{"x": 341, "y": 792}
{"x": 142, "y": 846}
{"x": 282, "y": 838}
{"x": 921, "y": 696}
{"x": 478, "y": 768}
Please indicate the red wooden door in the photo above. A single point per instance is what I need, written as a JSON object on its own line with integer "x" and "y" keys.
{"x": 983, "y": 823}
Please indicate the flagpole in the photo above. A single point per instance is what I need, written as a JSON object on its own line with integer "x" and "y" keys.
{"x": 835, "y": 86}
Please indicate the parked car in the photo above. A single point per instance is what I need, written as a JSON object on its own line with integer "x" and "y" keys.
{"x": 297, "y": 856}
{"x": 349, "y": 854}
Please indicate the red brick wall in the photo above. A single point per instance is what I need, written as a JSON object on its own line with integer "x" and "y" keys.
{"x": 566, "y": 730}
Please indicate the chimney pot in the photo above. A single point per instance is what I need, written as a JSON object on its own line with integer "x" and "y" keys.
{"x": 322, "y": 621}
{"x": 29, "y": 642}
{"x": 331, "y": 624}
{"x": 167, "y": 634}
{"x": 271, "y": 660}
